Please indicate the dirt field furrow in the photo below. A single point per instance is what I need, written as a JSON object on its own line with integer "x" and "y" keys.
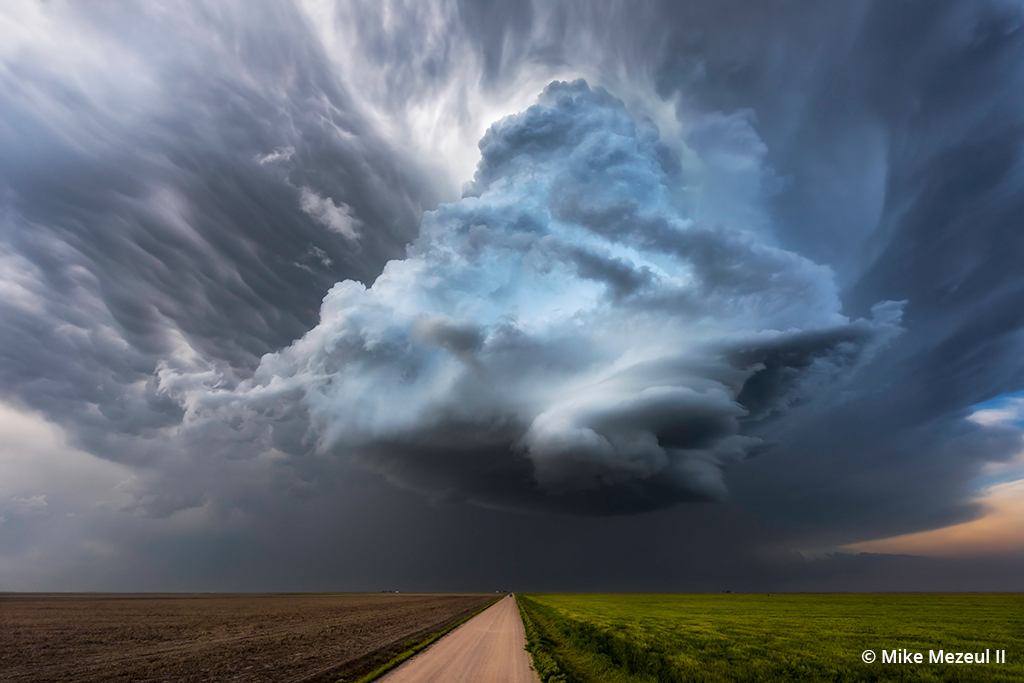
{"x": 163, "y": 638}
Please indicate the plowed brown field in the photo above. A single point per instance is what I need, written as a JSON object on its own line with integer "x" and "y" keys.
{"x": 121, "y": 638}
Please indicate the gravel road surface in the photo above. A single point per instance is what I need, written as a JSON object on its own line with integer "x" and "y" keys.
{"x": 486, "y": 649}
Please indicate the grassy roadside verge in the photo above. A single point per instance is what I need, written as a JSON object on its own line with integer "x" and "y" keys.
{"x": 670, "y": 638}
{"x": 567, "y": 650}
{"x": 539, "y": 644}
{"x": 415, "y": 647}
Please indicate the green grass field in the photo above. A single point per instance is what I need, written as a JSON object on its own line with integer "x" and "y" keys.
{"x": 741, "y": 637}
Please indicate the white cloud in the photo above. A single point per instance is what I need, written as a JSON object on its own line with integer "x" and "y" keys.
{"x": 1010, "y": 411}
{"x": 336, "y": 217}
{"x": 281, "y": 154}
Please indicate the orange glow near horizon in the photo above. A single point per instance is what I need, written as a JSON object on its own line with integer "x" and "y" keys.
{"x": 999, "y": 532}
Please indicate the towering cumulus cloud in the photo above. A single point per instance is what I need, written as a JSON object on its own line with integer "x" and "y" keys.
{"x": 570, "y": 335}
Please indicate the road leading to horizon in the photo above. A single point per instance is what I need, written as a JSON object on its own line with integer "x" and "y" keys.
{"x": 489, "y": 648}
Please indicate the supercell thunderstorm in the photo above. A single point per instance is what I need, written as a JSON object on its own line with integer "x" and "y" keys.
{"x": 575, "y": 333}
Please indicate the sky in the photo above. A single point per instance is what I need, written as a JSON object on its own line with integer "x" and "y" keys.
{"x": 569, "y": 295}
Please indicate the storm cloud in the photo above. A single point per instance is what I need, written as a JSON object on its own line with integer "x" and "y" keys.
{"x": 761, "y": 263}
{"x": 566, "y": 333}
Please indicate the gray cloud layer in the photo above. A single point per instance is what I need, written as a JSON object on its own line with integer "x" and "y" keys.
{"x": 183, "y": 185}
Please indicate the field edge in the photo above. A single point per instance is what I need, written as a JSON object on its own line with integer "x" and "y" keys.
{"x": 539, "y": 646}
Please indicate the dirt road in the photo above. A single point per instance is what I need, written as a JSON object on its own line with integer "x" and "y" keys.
{"x": 486, "y": 649}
